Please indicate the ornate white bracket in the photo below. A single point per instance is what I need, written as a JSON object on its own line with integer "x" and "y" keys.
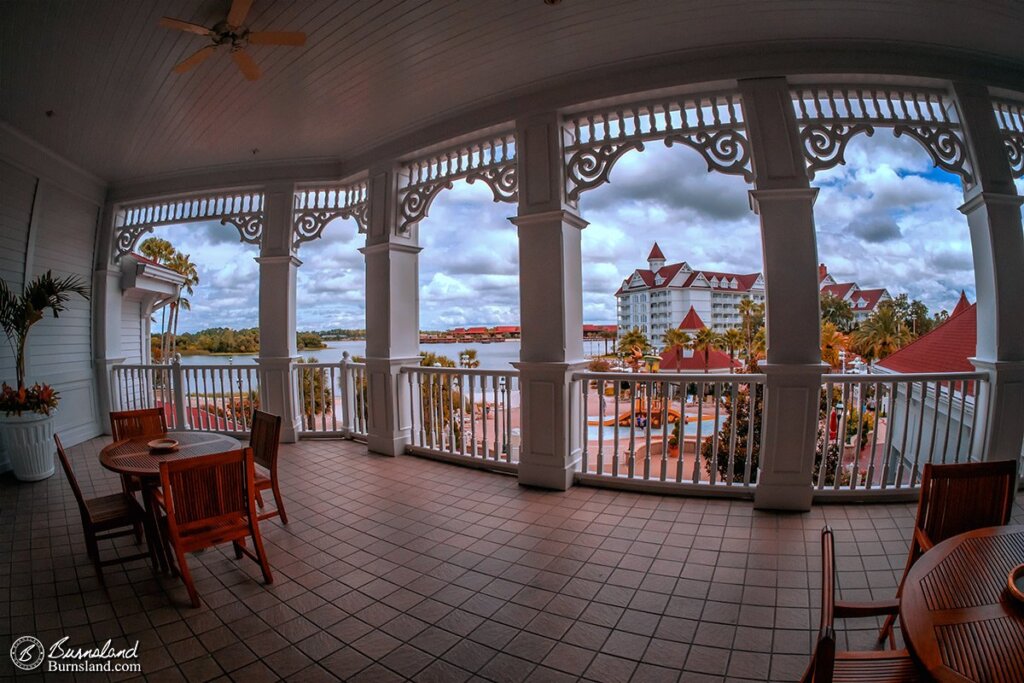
{"x": 831, "y": 115}
{"x": 492, "y": 161}
{"x": 242, "y": 209}
{"x": 316, "y": 206}
{"x": 710, "y": 123}
{"x": 1010, "y": 118}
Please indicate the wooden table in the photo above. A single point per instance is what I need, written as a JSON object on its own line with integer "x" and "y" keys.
{"x": 957, "y": 617}
{"x": 132, "y": 456}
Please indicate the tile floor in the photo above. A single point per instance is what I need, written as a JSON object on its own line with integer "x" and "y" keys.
{"x": 405, "y": 568}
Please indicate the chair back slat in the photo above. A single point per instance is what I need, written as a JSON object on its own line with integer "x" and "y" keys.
{"x": 963, "y": 497}
{"x": 200, "y": 490}
{"x": 72, "y": 479}
{"x": 264, "y": 438}
{"x": 130, "y": 424}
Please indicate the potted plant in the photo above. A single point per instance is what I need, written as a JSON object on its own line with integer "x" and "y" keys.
{"x": 27, "y": 412}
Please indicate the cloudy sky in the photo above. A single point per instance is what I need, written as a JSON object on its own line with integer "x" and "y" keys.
{"x": 886, "y": 219}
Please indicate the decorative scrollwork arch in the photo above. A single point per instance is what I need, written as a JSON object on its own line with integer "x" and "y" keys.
{"x": 492, "y": 161}
{"x": 1010, "y": 118}
{"x": 829, "y": 116}
{"x": 710, "y": 123}
{"x": 243, "y": 209}
{"x": 316, "y": 206}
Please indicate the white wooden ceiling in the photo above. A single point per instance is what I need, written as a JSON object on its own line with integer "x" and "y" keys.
{"x": 376, "y": 69}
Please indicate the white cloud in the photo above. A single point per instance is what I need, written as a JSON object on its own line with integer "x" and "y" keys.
{"x": 886, "y": 219}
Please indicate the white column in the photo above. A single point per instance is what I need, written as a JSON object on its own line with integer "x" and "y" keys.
{"x": 278, "y": 271}
{"x": 784, "y": 201}
{"x": 392, "y": 314}
{"x": 551, "y": 307}
{"x": 106, "y": 308}
{"x": 992, "y": 207}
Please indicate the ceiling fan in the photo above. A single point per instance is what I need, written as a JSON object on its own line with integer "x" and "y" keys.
{"x": 232, "y": 33}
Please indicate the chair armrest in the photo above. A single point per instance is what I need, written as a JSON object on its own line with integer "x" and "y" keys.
{"x": 158, "y": 498}
{"x": 922, "y": 539}
{"x": 854, "y": 610}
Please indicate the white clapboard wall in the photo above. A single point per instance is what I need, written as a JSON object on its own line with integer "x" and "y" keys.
{"x": 49, "y": 213}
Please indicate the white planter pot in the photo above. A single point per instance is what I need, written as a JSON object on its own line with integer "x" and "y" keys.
{"x": 27, "y": 441}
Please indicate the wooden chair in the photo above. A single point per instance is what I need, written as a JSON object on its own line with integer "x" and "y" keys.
{"x": 107, "y": 517}
{"x": 264, "y": 440}
{"x": 210, "y": 500}
{"x": 130, "y": 424}
{"x": 955, "y": 499}
{"x": 827, "y": 665}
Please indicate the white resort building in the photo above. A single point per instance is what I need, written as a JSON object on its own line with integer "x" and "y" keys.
{"x": 657, "y": 298}
{"x": 863, "y": 302}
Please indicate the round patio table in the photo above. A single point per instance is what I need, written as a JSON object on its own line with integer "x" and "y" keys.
{"x": 132, "y": 456}
{"x": 957, "y": 616}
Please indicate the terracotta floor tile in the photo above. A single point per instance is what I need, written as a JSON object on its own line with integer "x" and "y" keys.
{"x": 404, "y": 568}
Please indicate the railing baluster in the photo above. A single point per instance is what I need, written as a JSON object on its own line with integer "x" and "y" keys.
{"x": 732, "y": 433}
{"x": 615, "y": 450}
{"x": 664, "y": 430}
{"x": 584, "y": 391}
{"x": 700, "y": 429}
{"x": 631, "y": 463}
{"x": 901, "y": 465}
{"x": 648, "y": 419}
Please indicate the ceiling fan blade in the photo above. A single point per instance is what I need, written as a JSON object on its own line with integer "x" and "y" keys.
{"x": 178, "y": 24}
{"x": 194, "y": 60}
{"x": 238, "y": 12}
{"x": 246, "y": 65}
{"x": 277, "y": 38}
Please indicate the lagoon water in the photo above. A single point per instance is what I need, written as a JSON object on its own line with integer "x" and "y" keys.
{"x": 495, "y": 356}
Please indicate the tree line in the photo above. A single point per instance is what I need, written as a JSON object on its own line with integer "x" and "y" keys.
{"x": 226, "y": 340}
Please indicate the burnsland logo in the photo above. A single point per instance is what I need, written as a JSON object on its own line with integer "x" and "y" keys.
{"x": 28, "y": 654}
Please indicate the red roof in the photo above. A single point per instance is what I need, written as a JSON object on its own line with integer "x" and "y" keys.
{"x": 840, "y": 291}
{"x": 871, "y": 297}
{"x": 506, "y": 329}
{"x": 947, "y": 348}
{"x": 694, "y": 362}
{"x": 476, "y": 330}
{"x": 961, "y": 305}
{"x": 656, "y": 254}
{"x": 744, "y": 282}
{"x": 692, "y": 321}
{"x": 600, "y": 328}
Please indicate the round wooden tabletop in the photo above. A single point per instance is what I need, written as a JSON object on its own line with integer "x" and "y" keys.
{"x": 958, "y": 618}
{"x": 132, "y": 456}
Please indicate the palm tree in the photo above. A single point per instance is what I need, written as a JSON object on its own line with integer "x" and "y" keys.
{"x": 161, "y": 251}
{"x": 635, "y": 338}
{"x": 19, "y": 313}
{"x": 752, "y": 315}
{"x": 607, "y": 336}
{"x": 832, "y": 342}
{"x": 182, "y": 264}
{"x": 733, "y": 339}
{"x": 880, "y": 335}
{"x": 675, "y": 341}
{"x": 705, "y": 341}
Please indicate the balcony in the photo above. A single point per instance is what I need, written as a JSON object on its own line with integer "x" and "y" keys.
{"x": 407, "y": 568}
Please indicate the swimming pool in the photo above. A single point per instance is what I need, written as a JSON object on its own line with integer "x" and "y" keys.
{"x": 690, "y": 429}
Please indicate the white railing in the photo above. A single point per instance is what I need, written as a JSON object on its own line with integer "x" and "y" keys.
{"x": 469, "y": 416}
{"x": 332, "y": 398}
{"x": 210, "y": 398}
{"x": 876, "y": 432}
{"x": 698, "y": 432}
